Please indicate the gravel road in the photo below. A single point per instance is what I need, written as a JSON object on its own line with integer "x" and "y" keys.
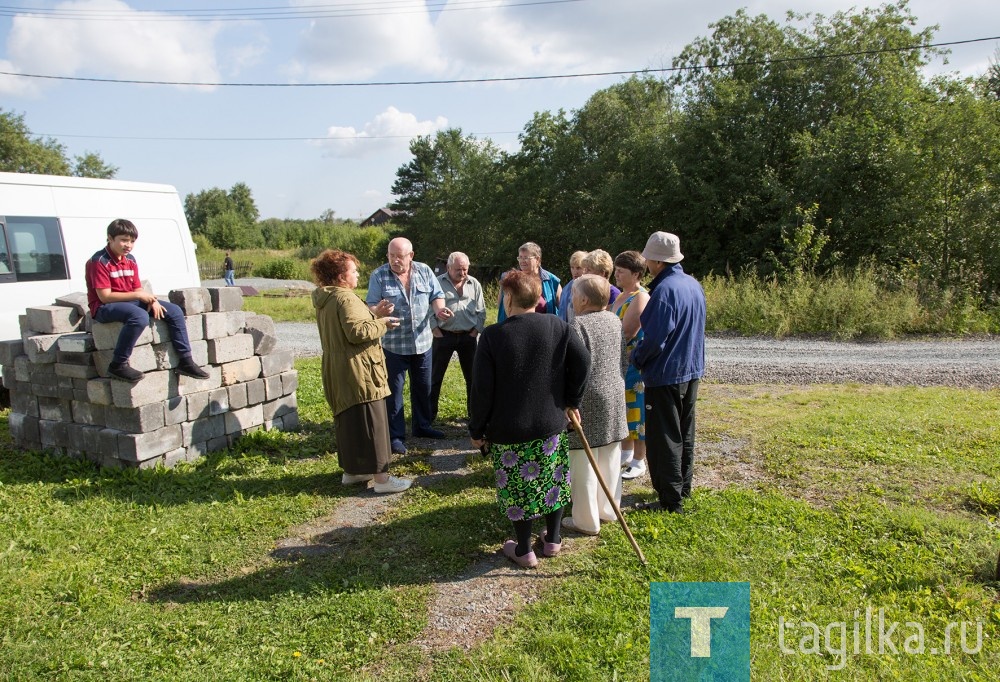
{"x": 741, "y": 360}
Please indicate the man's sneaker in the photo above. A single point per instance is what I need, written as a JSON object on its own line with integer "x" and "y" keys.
{"x": 187, "y": 367}
{"x": 637, "y": 469}
{"x": 351, "y": 479}
{"x": 124, "y": 372}
{"x": 393, "y": 485}
{"x": 397, "y": 447}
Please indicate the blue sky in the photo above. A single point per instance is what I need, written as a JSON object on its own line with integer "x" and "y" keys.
{"x": 360, "y": 134}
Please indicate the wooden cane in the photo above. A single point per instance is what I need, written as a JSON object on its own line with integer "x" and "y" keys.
{"x": 604, "y": 487}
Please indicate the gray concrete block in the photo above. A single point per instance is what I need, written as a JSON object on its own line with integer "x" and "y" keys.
{"x": 204, "y": 429}
{"x": 197, "y": 405}
{"x": 24, "y": 429}
{"x": 276, "y": 362}
{"x": 289, "y": 382}
{"x": 88, "y": 413}
{"x": 279, "y": 407}
{"x": 175, "y": 457}
{"x": 8, "y": 374}
{"x": 43, "y": 391}
{"x": 22, "y": 368}
{"x": 175, "y": 410}
{"x": 241, "y": 420}
{"x": 167, "y": 357}
{"x": 236, "y": 321}
{"x": 216, "y": 444}
{"x": 40, "y": 348}
{"x": 78, "y": 342}
{"x": 55, "y": 409}
{"x": 215, "y": 325}
{"x": 9, "y": 350}
{"x": 255, "y": 392}
{"x": 76, "y": 300}
{"x": 161, "y": 331}
{"x": 143, "y": 359}
{"x": 22, "y": 400}
{"x": 74, "y": 358}
{"x": 154, "y": 387}
{"x": 99, "y": 391}
{"x": 218, "y": 401}
{"x": 52, "y": 433}
{"x": 192, "y": 301}
{"x": 106, "y": 335}
{"x": 240, "y": 371}
{"x": 43, "y": 372}
{"x": 181, "y": 384}
{"x": 76, "y": 371}
{"x": 263, "y": 331}
{"x": 230, "y": 348}
{"x": 135, "y": 419}
{"x": 237, "y": 396}
{"x": 139, "y": 447}
{"x": 226, "y": 299}
{"x": 272, "y": 387}
{"x": 53, "y": 319}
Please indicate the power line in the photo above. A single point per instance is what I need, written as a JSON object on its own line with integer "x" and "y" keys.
{"x": 508, "y": 79}
{"x": 338, "y": 138}
{"x": 302, "y": 12}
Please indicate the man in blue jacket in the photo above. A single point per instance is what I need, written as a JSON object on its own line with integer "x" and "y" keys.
{"x": 671, "y": 358}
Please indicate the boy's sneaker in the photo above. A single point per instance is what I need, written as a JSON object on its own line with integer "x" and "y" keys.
{"x": 393, "y": 485}
{"x": 635, "y": 470}
{"x": 187, "y": 367}
{"x": 124, "y": 372}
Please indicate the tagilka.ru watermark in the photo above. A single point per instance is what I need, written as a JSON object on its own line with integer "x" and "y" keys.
{"x": 871, "y": 633}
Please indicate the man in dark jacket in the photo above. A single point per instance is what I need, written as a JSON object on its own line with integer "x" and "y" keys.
{"x": 671, "y": 358}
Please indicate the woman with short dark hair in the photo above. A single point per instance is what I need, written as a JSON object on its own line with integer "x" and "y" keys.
{"x": 630, "y": 266}
{"x": 530, "y": 372}
{"x": 355, "y": 379}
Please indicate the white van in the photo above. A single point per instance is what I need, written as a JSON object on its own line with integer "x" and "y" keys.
{"x": 51, "y": 225}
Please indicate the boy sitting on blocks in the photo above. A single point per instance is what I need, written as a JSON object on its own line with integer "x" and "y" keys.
{"x": 115, "y": 294}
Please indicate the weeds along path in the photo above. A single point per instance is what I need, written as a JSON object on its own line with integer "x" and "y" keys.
{"x": 465, "y": 610}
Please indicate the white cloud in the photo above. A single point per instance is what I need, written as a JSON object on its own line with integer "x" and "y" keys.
{"x": 357, "y": 47}
{"x": 14, "y": 86}
{"x": 390, "y": 130}
{"x": 125, "y": 47}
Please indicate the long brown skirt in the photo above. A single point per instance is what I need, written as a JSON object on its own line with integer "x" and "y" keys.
{"x": 363, "y": 438}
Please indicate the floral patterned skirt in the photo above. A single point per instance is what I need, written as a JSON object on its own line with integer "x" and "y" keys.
{"x": 532, "y": 478}
{"x": 635, "y": 403}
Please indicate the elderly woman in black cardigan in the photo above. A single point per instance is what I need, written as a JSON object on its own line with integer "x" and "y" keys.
{"x": 530, "y": 372}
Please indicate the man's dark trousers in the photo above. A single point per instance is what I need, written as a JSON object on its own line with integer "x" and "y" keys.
{"x": 135, "y": 317}
{"x": 465, "y": 346}
{"x": 670, "y": 440}
{"x": 419, "y": 368}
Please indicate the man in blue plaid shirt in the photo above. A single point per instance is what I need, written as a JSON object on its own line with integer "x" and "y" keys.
{"x": 412, "y": 293}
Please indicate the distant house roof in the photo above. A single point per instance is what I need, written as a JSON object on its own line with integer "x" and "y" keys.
{"x": 383, "y": 215}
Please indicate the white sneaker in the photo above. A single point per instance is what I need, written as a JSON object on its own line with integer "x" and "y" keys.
{"x": 393, "y": 485}
{"x": 637, "y": 469}
{"x": 351, "y": 479}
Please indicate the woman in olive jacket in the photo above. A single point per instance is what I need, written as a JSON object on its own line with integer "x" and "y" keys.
{"x": 354, "y": 372}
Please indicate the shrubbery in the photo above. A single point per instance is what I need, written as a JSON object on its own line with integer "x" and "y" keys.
{"x": 282, "y": 268}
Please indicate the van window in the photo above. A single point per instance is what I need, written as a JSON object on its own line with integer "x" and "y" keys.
{"x": 33, "y": 248}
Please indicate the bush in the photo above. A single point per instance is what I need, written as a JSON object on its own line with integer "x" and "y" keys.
{"x": 281, "y": 268}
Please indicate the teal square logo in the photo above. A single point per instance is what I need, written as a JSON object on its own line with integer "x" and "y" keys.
{"x": 699, "y": 632}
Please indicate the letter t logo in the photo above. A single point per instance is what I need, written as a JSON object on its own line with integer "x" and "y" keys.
{"x": 701, "y": 626}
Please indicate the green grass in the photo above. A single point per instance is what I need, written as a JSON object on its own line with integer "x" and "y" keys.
{"x": 859, "y": 497}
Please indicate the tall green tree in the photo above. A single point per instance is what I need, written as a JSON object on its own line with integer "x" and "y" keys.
{"x": 91, "y": 165}
{"x": 22, "y": 153}
{"x": 228, "y": 219}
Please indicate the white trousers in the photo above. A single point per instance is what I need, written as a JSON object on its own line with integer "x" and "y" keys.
{"x": 590, "y": 505}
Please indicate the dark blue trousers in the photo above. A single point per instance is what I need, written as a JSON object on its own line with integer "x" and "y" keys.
{"x": 419, "y": 368}
{"x": 135, "y": 317}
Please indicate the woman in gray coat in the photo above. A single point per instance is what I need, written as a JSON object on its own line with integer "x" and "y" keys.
{"x": 602, "y": 411}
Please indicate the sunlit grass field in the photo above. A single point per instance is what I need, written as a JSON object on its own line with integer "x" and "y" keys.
{"x": 828, "y": 499}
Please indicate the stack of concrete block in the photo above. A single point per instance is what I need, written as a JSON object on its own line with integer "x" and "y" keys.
{"x": 63, "y": 400}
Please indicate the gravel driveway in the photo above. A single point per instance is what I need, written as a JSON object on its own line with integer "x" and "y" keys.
{"x": 741, "y": 360}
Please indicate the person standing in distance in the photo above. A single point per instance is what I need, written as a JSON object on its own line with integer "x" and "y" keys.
{"x": 463, "y": 296}
{"x": 229, "y": 271}
{"x": 671, "y": 358}
{"x": 409, "y": 291}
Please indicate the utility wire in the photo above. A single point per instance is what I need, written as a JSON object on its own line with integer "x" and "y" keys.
{"x": 508, "y": 79}
{"x": 390, "y": 8}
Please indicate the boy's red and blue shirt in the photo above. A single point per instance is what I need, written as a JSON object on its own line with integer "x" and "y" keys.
{"x": 105, "y": 271}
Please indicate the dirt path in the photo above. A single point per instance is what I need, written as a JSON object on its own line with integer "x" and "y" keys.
{"x": 467, "y": 609}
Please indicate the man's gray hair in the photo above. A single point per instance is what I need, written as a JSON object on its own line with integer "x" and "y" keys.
{"x": 456, "y": 255}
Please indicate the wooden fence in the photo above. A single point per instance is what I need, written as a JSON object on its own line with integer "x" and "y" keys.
{"x": 214, "y": 270}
